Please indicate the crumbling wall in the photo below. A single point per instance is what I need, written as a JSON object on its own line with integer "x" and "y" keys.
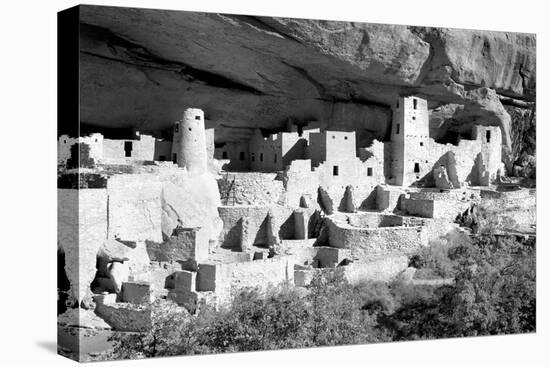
{"x": 230, "y": 278}
{"x": 491, "y": 151}
{"x": 158, "y": 272}
{"x": 441, "y": 204}
{"x": 374, "y": 159}
{"x": 366, "y": 243}
{"x": 300, "y": 181}
{"x": 445, "y": 195}
{"x": 183, "y": 245}
{"x": 256, "y": 216}
{"x": 419, "y": 207}
{"x": 387, "y": 198}
{"x": 383, "y": 269}
{"x": 94, "y": 142}
{"x": 250, "y": 188}
{"x": 374, "y": 220}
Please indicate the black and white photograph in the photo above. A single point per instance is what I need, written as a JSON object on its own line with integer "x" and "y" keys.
{"x": 232, "y": 181}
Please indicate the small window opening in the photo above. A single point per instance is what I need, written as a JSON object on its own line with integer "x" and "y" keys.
{"x": 189, "y": 129}
{"x": 397, "y": 129}
{"x": 224, "y": 155}
{"x": 415, "y": 103}
{"x": 261, "y": 157}
{"x": 421, "y": 143}
{"x": 369, "y": 171}
{"x": 335, "y": 171}
{"x": 174, "y": 158}
{"x": 162, "y": 158}
{"x": 397, "y": 104}
{"x": 241, "y": 156}
{"x": 96, "y": 140}
{"x": 177, "y": 128}
{"x": 334, "y": 137}
{"x": 275, "y": 158}
{"x": 416, "y": 168}
{"x": 197, "y": 117}
{"x": 252, "y": 157}
{"x": 127, "y": 148}
{"x": 414, "y": 117}
{"x": 64, "y": 141}
{"x": 488, "y": 136}
{"x": 345, "y": 138}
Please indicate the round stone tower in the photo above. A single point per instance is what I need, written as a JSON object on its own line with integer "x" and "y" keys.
{"x": 191, "y": 141}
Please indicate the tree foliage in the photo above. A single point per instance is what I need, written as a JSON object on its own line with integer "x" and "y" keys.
{"x": 493, "y": 293}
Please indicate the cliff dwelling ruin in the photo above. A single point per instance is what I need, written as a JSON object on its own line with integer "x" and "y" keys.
{"x": 195, "y": 222}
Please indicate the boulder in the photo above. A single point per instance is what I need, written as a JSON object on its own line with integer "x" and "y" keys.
{"x": 113, "y": 250}
{"x": 118, "y": 273}
{"x": 198, "y": 208}
{"x": 441, "y": 178}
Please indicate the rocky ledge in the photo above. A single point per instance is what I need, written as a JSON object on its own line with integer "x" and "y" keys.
{"x": 140, "y": 66}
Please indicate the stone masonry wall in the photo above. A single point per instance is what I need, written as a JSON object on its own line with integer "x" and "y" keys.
{"x": 230, "y": 278}
{"x": 380, "y": 270}
{"x": 366, "y": 243}
{"x": 250, "y": 188}
{"x": 232, "y": 216}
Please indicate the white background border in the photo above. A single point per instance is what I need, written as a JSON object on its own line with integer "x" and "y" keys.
{"x": 28, "y": 179}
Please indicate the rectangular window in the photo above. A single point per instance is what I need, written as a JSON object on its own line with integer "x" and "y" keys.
{"x": 224, "y": 155}
{"x": 369, "y": 171}
{"x": 488, "y": 136}
{"x": 241, "y": 156}
{"x": 397, "y": 130}
{"x": 415, "y": 103}
{"x": 417, "y": 168}
{"x": 335, "y": 171}
{"x": 177, "y": 128}
{"x": 261, "y": 157}
{"x": 162, "y": 158}
{"x": 127, "y": 148}
{"x": 275, "y": 158}
{"x": 175, "y": 158}
{"x": 421, "y": 144}
{"x": 252, "y": 157}
{"x": 197, "y": 117}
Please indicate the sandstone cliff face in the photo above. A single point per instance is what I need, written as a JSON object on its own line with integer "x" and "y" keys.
{"x": 140, "y": 67}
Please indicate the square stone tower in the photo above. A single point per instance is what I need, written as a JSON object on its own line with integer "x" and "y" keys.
{"x": 409, "y": 136}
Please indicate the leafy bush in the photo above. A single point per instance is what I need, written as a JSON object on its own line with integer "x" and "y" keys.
{"x": 433, "y": 261}
{"x": 494, "y": 293}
